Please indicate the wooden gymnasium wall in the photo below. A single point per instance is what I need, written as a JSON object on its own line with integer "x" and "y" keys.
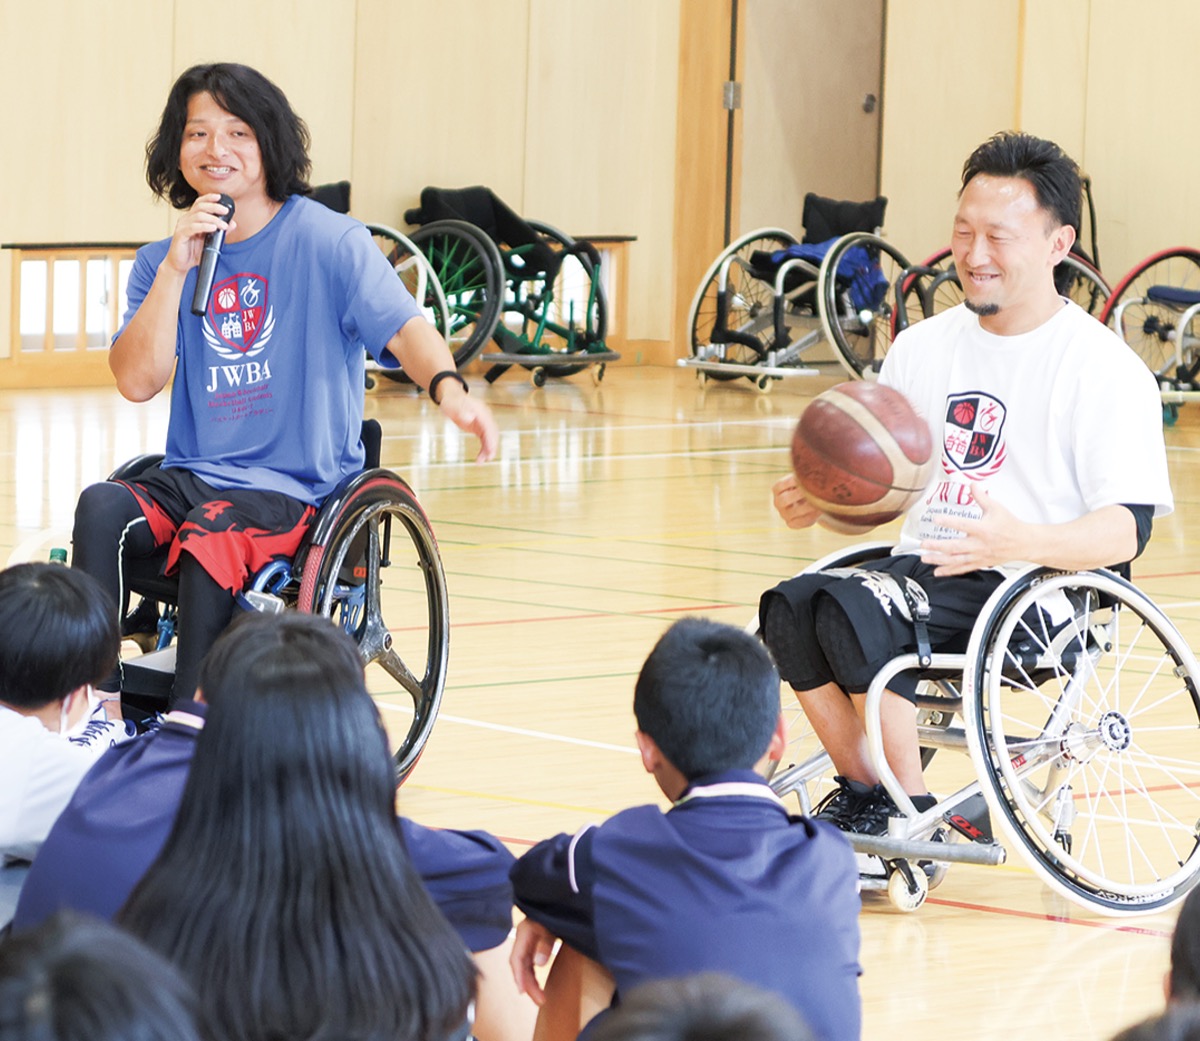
{"x": 589, "y": 115}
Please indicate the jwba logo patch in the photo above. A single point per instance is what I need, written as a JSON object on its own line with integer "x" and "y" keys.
{"x": 240, "y": 321}
{"x": 974, "y": 432}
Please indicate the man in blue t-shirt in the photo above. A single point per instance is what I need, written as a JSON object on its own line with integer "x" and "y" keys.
{"x": 725, "y": 881}
{"x": 267, "y": 400}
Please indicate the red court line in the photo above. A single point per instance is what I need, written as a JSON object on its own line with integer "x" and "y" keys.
{"x": 1042, "y": 917}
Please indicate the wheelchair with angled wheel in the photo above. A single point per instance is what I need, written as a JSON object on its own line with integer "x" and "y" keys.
{"x": 370, "y": 564}
{"x": 531, "y": 290}
{"x": 1077, "y": 705}
{"x": 768, "y": 299}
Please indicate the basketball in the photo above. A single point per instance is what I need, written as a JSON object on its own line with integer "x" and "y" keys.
{"x": 862, "y": 455}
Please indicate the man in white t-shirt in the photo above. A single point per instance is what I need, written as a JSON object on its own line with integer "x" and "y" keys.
{"x": 1052, "y": 453}
{"x": 58, "y": 636}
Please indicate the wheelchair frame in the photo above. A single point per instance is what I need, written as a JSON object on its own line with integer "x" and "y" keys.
{"x": 750, "y": 322}
{"x": 1129, "y": 841}
{"x": 1152, "y": 309}
{"x": 349, "y": 570}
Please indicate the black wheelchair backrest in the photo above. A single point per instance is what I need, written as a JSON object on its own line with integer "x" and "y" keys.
{"x": 826, "y": 219}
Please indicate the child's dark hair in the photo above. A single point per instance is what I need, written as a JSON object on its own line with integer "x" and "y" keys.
{"x": 708, "y": 695}
{"x": 75, "y": 978}
{"x": 246, "y": 93}
{"x": 58, "y": 632}
{"x": 1053, "y": 175}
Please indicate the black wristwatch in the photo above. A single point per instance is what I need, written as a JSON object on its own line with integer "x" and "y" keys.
{"x": 446, "y": 374}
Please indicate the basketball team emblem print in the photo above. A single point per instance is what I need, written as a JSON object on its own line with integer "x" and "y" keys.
{"x": 974, "y": 433}
{"x": 239, "y": 322}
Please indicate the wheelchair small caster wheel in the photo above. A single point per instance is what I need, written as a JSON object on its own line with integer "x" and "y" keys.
{"x": 764, "y": 384}
{"x": 906, "y": 888}
{"x": 702, "y": 379}
{"x": 598, "y": 373}
{"x": 538, "y": 377}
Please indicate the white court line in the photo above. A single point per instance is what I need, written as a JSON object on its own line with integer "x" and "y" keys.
{"x": 523, "y": 732}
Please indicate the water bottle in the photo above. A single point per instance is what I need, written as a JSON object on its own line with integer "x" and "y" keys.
{"x": 58, "y": 555}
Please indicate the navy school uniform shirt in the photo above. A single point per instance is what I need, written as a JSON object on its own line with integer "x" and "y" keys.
{"x": 119, "y": 818}
{"x": 725, "y": 881}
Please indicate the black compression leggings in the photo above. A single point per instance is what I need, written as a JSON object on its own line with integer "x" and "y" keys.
{"x": 110, "y": 530}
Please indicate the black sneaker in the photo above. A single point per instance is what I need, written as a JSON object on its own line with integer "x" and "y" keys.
{"x": 874, "y": 810}
{"x": 842, "y": 805}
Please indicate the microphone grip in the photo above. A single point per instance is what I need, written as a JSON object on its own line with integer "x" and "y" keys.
{"x": 208, "y": 262}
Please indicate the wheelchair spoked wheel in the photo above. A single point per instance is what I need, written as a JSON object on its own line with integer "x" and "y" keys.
{"x": 855, "y": 300}
{"x": 469, "y": 269}
{"x": 1148, "y": 322}
{"x": 1087, "y": 738}
{"x": 567, "y": 317}
{"x": 749, "y": 303}
{"x": 415, "y": 272}
{"x": 1078, "y": 279}
{"x": 929, "y": 288}
{"x": 374, "y": 569}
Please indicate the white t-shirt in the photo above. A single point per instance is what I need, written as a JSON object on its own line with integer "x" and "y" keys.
{"x": 39, "y": 770}
{"x": 1053, "y": 423}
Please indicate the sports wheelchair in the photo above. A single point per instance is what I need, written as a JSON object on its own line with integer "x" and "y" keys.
{"x": 767, "y": 299}
{"x": 1154, "y": 309}
{"x": 1077, "y": 701}
{"x": 369, "y": 552}
{"x": 534, "y": 291}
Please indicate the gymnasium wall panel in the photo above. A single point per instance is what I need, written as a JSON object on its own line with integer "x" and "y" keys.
{"x": 600, "y": 135}
{"x": 950, "y": 81}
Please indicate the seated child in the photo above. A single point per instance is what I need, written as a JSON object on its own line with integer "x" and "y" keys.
{"x": 119, "y": 823}
{"x": 58, "y": 636}
{"x": 725, "y": 881}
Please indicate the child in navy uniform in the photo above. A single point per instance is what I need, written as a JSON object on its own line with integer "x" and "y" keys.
{"x": 725, "y": 881}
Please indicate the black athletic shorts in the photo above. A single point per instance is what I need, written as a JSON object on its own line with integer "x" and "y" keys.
{"x": 233, "y": 533}
{"x": 877, "y": 614}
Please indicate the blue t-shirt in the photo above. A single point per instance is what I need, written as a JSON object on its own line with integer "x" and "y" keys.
{"x": 268, "y": 390}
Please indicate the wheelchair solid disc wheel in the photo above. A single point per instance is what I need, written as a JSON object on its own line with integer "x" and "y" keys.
{"x": 1086, "y": 737}
{"x": 1150, "y": 326}
{"x": 374, "y": 569}
{"x": 468, "y": 267}
{"x": 566, "y": 317}
{"x": 749, "y": 302}
{"x": 854, "y": 297}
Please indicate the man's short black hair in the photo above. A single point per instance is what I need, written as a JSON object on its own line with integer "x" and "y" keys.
{"x": 58, "y": 632}
{"x": 246, "y": 93}
{"x": 1053, "y": 175}
{"x": 708, "y": 695}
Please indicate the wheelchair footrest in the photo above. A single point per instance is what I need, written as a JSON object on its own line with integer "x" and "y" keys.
{"x": 890, "y": 848}
{"x": 150, "y": 675}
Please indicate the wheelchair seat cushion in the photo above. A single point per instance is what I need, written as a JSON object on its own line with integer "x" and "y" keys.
{"x": 857, "y": 270}
{"x": 831, "y": 218}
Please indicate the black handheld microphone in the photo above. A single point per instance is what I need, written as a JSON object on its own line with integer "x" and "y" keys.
{"x": 208, "y": 261}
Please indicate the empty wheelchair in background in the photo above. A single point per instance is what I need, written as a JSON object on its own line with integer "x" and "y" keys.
{"x": 369, "y": 563}
{"x": 534, "y": 291}
{"x": 762, "y": 304}
{"x": 1077, "y": 702}
{"x": 409, "y": 263}
{"x": 1154, "y": 310}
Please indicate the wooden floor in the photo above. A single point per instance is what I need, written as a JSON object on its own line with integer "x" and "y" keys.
{"x": 613, "y": 510}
